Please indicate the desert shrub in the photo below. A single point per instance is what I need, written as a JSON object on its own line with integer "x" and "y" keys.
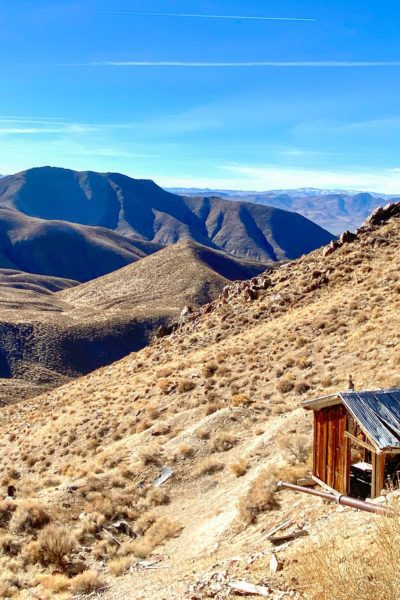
{"x": 260, "y": 498}
{"x": 119, "y": 566}
{"x": 156, "y": 497}
{"x": 7, "y": 507}
{"x": 56, "y": 543}
{"x": 10, "y": 545}
{"x": 186, "y": 385}
{"x": 240, "y": 400}
{"x": 223, "y": 441}
{"x": 211, "y": 408}
{"x": 285, "y": 385}
{"x": 210, "y": 369}
{"x": 56, "y": 583}
{"x": 209, "y": 465}
{"x": 297, "y": 445}
{"x": 302, "y": 387}
{"x": 185, "y": 450}
{"x": 150, "y": 455}
{"x": 86, "y": 582}
{"x": 158, "y": 531}
{"x": 29, "y": 515}
{"x": 239, "y": 468}
{"x": 202, "y": 434}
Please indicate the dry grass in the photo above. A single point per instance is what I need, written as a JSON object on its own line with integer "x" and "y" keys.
{"x": 29, "y": 516}
{"x": 260, "y": 498}
{"x": 223, "y": 441}
{"x": 240, "y": 467}
{"x": 343, "y": 570}
{"x": 56, "y": 543}
{"x": 86, "y": 582}
{"x": 119, "y": 566}
{"x": 54, "y": 583}
{"x": 208, "y": 466}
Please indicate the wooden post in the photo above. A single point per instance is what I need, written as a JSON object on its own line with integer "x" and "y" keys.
{"x": 373, "y": 480}
{"x": 380, "y": 471}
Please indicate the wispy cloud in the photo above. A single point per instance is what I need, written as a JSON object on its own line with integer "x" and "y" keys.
{"x": 41, "y": 126}
{"x": 251, "y": 64}
{"x": 266, "y": 177}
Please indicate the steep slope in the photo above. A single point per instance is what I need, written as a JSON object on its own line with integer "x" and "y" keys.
{"x": 66, "y": 250}
{"x": 141, "y": 209}
{"x": 74, "y": 331}
{"x": 217, "y": 402}
{"x": 333, "y": 210}
{"x": 184, "y": 273}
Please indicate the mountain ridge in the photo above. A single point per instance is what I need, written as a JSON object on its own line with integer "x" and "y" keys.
{"x": 334, "y": 210}
{"x": 142, "y": 210}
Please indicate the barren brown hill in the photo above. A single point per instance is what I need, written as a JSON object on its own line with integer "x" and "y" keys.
{"x": 218, "y": 403}
{"x": 62, "y": 249}
{"x": 47, "y": 335}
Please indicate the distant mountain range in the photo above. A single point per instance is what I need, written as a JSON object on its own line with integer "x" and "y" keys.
{"x": 334, "y": 210}
{"x": 81, "y": 225}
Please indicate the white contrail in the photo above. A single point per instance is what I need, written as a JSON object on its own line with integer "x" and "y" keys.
{"x": 196, "y": 16}
{"x": 192, "y": 16}
{"x": 273, "y": 64}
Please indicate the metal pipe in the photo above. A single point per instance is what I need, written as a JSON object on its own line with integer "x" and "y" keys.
{"x": 339, "y": 499}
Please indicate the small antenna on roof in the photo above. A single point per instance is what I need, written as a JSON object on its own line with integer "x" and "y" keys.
{"x": 351, "y": 384}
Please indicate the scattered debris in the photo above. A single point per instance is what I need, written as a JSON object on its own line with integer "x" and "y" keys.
{"x": 163, "y": 477}
{"x": 218, "y": 585}
{"x": 281, "y": 539}
{"x": 124, "y": 527}
{"x": 152, "y": 563}
{"x": 306, "y": 482}
{"x": 244, "y": 588}
{"x": 282, "y": 525}
{"x": 275, "y": 564}
{"x": 114, "y": 539}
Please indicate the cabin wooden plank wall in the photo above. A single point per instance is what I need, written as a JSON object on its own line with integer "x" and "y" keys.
{"x": 331, "y": 462}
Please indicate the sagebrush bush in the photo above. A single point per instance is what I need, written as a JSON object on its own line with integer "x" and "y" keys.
{"x": 260, "y": 498}
{"x": 223, "y": 441}
{"x": 209, "y": 465}
{"x": 28, "y": 516}
{"x": 86, "y": 582}
{"x": 56, "y": 543}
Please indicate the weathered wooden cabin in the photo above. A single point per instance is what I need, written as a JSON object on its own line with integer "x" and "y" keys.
{"x": 356, "y": 448}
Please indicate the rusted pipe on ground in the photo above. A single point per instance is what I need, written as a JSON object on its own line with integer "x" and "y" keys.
{"x": 339, "y": 499}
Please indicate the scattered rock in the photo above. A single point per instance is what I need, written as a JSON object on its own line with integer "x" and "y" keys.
{"x": 275, "y": 564}
{"x": 347, "y": 237}
{"x": 330, "y": 248}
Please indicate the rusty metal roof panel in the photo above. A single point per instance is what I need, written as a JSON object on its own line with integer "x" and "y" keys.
{"x": 378, "y": 413}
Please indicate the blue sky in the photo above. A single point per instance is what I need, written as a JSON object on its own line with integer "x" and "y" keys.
{"x": 307, "y": 94}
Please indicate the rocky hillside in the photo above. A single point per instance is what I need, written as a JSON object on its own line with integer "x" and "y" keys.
{"x": 53, "y": 328}
{"x": 160, "y": 469}
{"x": 140, "y": 210}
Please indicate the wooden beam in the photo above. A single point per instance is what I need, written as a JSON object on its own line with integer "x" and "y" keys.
{"x": 325, "y": 485}
{"x": 355, "y": 439}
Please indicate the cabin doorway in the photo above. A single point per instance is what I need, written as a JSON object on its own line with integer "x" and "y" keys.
{"x": 361, "y": 466}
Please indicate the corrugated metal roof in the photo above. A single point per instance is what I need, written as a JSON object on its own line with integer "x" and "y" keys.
{"x": 378, "y": 413}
